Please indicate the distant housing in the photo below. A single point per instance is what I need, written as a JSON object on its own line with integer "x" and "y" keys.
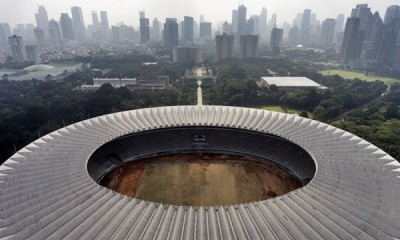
{"x": 291, "y": 82}
{"x": 141, "y": 83}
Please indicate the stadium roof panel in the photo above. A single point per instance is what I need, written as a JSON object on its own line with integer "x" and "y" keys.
{"x": 46, "y": 192}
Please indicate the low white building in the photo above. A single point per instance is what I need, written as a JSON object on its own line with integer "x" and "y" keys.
{"x": 290, "y": 82}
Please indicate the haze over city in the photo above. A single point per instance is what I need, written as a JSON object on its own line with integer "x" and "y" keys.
{"x": 22, "y": 11}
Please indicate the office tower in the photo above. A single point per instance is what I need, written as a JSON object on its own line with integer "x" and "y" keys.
{"x": 304, "y": 37}
{"x": 3, "y": 35}
{"x": 339, "y": 23}
{"x": 250, "y": 27}
{"x": 386, "y": 42}
{"x": 17, "y": 49}
{"x": 156, "y": 30}
{"x": 42, "y": 20}
{"x": 32, "y": 54}
{"x": 227, "y": 28}
{"x": 7, "y": 29}
{"x": 294, "y": 34}
{"x": 276, "y": 41}
{"x": 351, "y": 37}
{"x": 328, "y": 32}
{"x": 248, "y": 45}
{"x": 374, "y": 24}
{"x": 205, "y": 30}
{"x": 30, "y": 32}
{"x": 54, "y": 34}
{"x": 297, "y": 20}
{"x": 95, "y": 21}
{"x": 262, "y": 23}
{"x": 242, "y": 21}
{"x": 40, "y": 42}
{"x": 256, "y": 21}
{"x": 363, "y": 12}
{"x": 397, "y": 60}
{"x": 234, "y": 21}
{"x": 286, "y": 29}
{"x": 77, "y": 23}
{"x": 186, "y": 54}
{"x": 313, "y": 19}
{"x": 201, "y": 18}
{"x": 116, "y": 36}
{"x": 66, "y": 26}
{"x": 144, "y": 30}
{"x": 126, "y": 33}
{"x": 142, "y": 14}
{"x": 196, "y": 30}
{"x": 392, "y": 12}
{"x": 104, "y": 20}
{"x": 20, "y": 30}
{"x": 272, "y": 22}
{"x": 224, "y": 46}
{"x": 171, "y": 33}
{"x": 188, "y": 29}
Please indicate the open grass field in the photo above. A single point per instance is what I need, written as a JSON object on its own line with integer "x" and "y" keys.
{"x": 200, "y": 180}
{"x": 277, "y": 108}
{"x": 352, "y": 75}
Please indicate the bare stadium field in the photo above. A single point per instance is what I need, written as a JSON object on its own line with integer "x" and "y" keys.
{"x": 200, "y": 180}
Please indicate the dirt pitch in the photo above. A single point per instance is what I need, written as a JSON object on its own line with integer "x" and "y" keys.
{"x": 200, "y": 180}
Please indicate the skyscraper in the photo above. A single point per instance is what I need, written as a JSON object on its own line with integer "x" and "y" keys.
{"x": 224, "y": 46}
{"x": 32, "y": 54}
{"x": 17, "y": 49}
{"x": 351, "y": 41}
{"x": 327, "y": 32}
{"x": 242, "y": 21}
{"x": 201, "y": 18}
{"x": 95, "y": 21}
{"x": 77, "y": 23}
{"x": 262, "y": 23}
{"x": 339, "y": 23}
{"x": 248, "y": 46}
{"x": 156, "y": 29}
{"x": 304, "y": 37}
{"x": 386, "y": 42}
{"x": 186, "y": 54}
{"x": 39, "y": 36}
{"x": 272, "y": 22}
{"x": 3, "y": 35}
{"x": 42, "y": 20}
{"x": 294, "y": 34}
{"x": 227, "y": 28}
{"x": 276, "y": 41}
{"x": 234, "y": 21}
{"x": 171, "y": 33}
{"x": 392, "y": 12}
{"x": 116, "y": 35}
{"x": 363, "y": 12}
{"x": 55, "y": 34}
{"x": 205, "y": 30}
{"x": 188, "y": 29}
{"x": 144, "y": 30}
{"x": 104, "y": 20}
{"x": 66, "y": 26}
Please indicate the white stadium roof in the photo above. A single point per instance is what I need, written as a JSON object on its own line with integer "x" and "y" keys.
{"x": 291, "y": 82}
{"x": 47, "y": 193}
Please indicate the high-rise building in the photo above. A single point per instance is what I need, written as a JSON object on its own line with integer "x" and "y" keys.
{"x": 188, "y": 29}
{"x": 227, "y": 28}
{"x": 17, "y": 49}
{"x": 95, "y": 21}
{"x": 39, "y": 36}
{"x": 242, "y": 21}
{"x": 387, "y": 40}
{"x": 392, "y": 12}
{"x": 205, "y": 30}
{"x": 363, "y": 12}
{"x": 142, "y": 14}
{"x": 224, "y": 46}
{"x": 234, "y": 21}
{"x": 77, "y": 23}
{"x": 250, "y": 27}
{"x": 156, "y": 30}
{"x": 328, "y": 32}
{"x": 3, "y": 35}
{"x": 32, "y": 54}
{"x": 171, "y": 33}
{"x": 352, "y": 41}
{"x": 276, "y": 41}
{"x": 304, "y": 37}
{"x": 55, "y": 34}
{"x": 66, "y": 26}
{"x": 272, "y": 22}
{"x": 144, "y": 30}
{"x": 20, "y": 30}
{"x": 116, "y": 35}
{"x": 297, "y": 20}
{"x": 42, "y": 20}
{"x": 104, "y": 20}
{"x": 256, "y": 22}
{"x": 339, "y": 23}
{"x": 262, "y": 23}
{"x": 294, "y": 34}
{"x": 248, "y": 46}
{"x": 186, "y": 54}
{"x": 201, "y": 18}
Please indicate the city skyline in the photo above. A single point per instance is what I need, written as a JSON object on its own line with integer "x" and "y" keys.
{"x": 22, "y": 11}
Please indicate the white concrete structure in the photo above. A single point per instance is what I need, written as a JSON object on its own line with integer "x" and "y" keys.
{"x": 46, "y": 192}
{"x": 291, "y": 82}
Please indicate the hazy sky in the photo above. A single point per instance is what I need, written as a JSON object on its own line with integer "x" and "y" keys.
{"x": 22, "y": 11}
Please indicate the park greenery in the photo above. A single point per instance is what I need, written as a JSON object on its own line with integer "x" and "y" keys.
{"x": 369, "y": 109}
